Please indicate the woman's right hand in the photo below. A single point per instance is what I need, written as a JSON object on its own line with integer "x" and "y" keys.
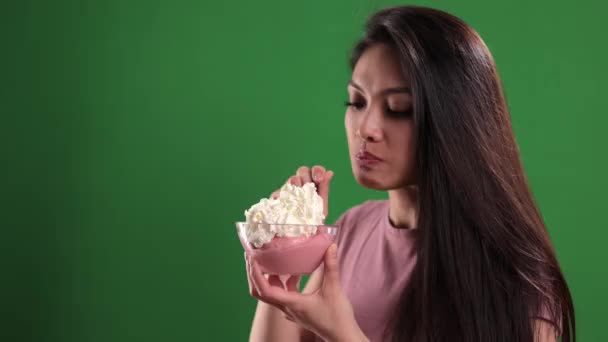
{"x": 318, "y": 175}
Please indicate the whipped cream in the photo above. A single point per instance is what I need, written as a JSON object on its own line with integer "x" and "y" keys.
{"x": 286, "y": 215}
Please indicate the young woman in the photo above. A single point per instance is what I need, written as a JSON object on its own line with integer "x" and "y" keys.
{"x": 460, "y": 251}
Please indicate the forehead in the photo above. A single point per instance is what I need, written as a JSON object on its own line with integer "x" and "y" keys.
{"x": 379, "y": 68}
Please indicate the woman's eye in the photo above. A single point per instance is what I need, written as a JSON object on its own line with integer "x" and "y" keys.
{"x": 398, "y": 113}
{"x": 357, "y": 105}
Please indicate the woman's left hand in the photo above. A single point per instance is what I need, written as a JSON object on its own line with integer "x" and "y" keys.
{"x": 327, "y": 312}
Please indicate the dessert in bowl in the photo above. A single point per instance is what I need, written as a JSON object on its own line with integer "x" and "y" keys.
{"x": 288, "y": 255}
{"x": 286, "y": 235}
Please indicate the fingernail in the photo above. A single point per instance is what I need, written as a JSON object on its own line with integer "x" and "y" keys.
{"x": 317, "y": 177}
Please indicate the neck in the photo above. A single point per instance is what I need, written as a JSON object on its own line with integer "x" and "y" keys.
{"x": 403, "y": 211}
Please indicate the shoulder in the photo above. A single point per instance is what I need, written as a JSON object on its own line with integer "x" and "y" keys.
{"x": 353, "y": 220}
{"x": 548, "y": 320}
{"x": 357, "y": 219}
{"x": 545, "y": 331}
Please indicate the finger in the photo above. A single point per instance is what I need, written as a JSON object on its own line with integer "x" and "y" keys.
{"x": 323, "y": 190}
{"x": 272, "y": 294}
{"x": 274, "y": 280}
{"x": 332, "y": 273}
{"x": 304, "y": 173}
{"x": 318, "y": 174}
{"x": 295, "y": 180}
{"x": 253, "y": 291}
{"x": 293, "y": 284}
{"x": 256, "y": 287}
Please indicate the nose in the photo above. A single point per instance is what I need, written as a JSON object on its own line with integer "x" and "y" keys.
{"x": 370, "y": 126}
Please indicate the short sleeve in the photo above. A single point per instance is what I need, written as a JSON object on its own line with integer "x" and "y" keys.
{"x": 349, "y": 218}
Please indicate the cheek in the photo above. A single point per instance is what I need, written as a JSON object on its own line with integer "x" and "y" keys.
{"x": 405, "y": 142}
{"x": 350, "y": 128}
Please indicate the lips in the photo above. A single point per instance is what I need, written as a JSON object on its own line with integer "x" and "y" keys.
{"x": 367, "y": 156}
{"x": 366, "y": 160}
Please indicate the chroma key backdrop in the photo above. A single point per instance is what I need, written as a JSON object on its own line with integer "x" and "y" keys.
{"x": 135, "y": 133}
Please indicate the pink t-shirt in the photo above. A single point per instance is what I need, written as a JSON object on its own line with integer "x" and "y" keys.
{"x": 376, "y": 263}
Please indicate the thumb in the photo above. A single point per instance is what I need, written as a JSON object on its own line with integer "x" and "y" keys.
{"x": 332, "y": 273}
{"x": 323, "y": 190}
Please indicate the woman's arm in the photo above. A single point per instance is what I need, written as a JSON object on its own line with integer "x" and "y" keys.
{"x": 270, "y": 324}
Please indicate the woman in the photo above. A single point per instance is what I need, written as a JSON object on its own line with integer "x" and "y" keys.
{"x": 459, "y": 252}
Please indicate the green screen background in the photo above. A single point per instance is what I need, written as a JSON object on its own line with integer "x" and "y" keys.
{"x": 135, "y": 133}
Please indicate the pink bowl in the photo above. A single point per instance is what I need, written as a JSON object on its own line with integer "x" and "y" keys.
{"x": 286, "y": 255}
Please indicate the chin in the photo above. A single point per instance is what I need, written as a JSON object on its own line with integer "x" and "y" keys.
{"x": 379, "y": 179}
{"x": 371, "y": 180}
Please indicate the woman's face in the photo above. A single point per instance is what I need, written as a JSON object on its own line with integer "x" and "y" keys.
{"x": 379, "y": 123}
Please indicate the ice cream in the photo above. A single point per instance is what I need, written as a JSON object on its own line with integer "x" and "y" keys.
{"x": 286, "y": 235}
{"x": 296, "y": 212}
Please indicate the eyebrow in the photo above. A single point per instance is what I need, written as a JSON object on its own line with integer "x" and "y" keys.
{"x": 385, "y": 91}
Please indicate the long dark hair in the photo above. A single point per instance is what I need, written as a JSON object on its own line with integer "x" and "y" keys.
{"x": 486, "y": 266}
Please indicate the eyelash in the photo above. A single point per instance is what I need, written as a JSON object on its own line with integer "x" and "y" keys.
{"x": 359, "y": 105}
{"x": 355, "y": 105}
